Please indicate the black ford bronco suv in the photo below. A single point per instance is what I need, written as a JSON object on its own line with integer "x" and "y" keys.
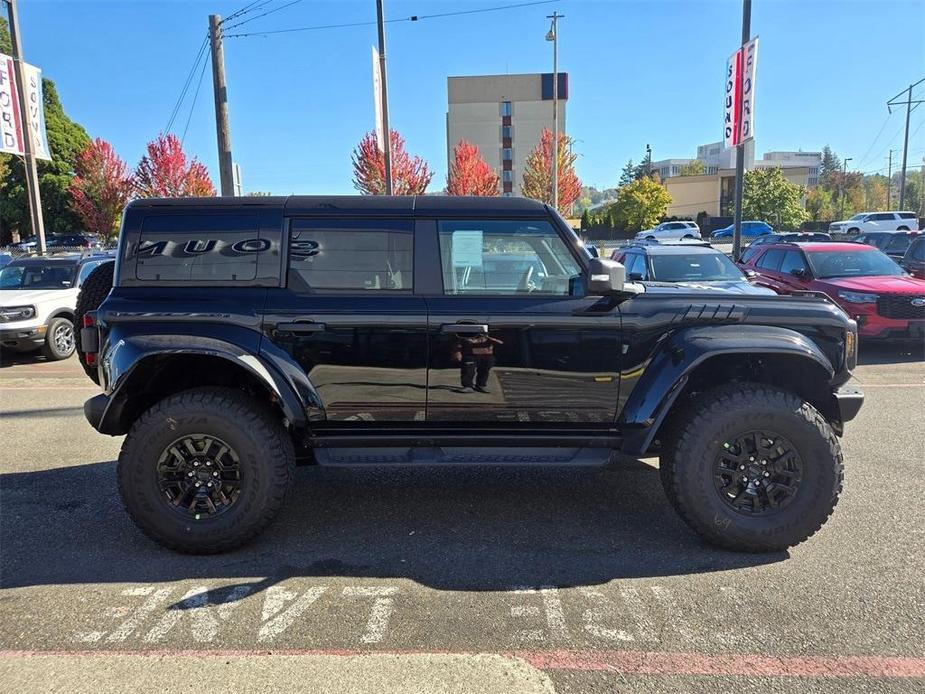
{"x": 242, "y": 336}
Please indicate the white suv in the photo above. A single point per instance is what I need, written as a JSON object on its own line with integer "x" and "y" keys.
{"x": 671, "y": 230}
{"x": 38, "y": 296}
{"x": 876, "y": 221}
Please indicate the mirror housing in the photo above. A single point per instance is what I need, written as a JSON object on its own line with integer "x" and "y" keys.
{"x": 605, "y": 277}
{"x": 593, "y": 250}
{"x": 798, "y": 272}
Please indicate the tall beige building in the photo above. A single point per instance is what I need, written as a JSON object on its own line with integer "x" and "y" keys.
{"x": 504, "y": 115}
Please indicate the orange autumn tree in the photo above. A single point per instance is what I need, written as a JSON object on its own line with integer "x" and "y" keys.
{"x": 165, "y": 172}
{"x": 410, "y": 175}
{"x": 469, "y": 174}
{"x": 537, "y": 182}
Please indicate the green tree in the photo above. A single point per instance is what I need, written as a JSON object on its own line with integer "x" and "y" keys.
{"x": 585, "y": 221}
{"x": 695, "y": 168}
{"x": 628, "y": 174}
{"x": 65, "y": 139}
{"x": 819, "y": 204}
{"x": 769, "y": 196}
{"x": 639, "y": 205}
{"x": 831, "y": 164}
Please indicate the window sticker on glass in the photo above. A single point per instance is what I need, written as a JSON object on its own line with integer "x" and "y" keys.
{"x": 467, "y": 248}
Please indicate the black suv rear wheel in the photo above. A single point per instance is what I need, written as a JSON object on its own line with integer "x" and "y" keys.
{"x": 751, "y": 467}
{"x": 205, "y": 470}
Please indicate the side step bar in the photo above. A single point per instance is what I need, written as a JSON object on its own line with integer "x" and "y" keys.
{"x": 462, "y": 455}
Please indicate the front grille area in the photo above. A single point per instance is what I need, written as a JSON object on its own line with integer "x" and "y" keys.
{"x": 901, "y": 307}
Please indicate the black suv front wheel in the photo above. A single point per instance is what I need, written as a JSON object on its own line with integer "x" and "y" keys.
{"x": 205, "y": 470}
{"x": 751, "y": 467}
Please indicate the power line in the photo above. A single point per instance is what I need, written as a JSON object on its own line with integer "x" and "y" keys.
{"x": 876, "y": 137}
{"x": 412, "y": 18}
{"x": 186, "y": 84}
{"x": 247, "y": 8}
{"x": 264, "y": 14}
{"x": 192, "y": 107}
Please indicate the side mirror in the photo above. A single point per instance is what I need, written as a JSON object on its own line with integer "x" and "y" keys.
{"x": 635, "y": 277}
{"x": 605, "y": 277}
{"x": 592, "y": 249}
{"x": 798, "y": 272}
{"x": 751, "y": 274}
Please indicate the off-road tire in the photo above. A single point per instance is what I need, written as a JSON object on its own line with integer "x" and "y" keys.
{"x": 92, "y": 293}
{"x": 693, "y": 441}
{"x": 266, "y": 458}
{"x": 51, "y": 350}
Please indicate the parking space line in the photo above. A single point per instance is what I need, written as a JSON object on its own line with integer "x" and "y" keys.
{"x": 629, "y": 662}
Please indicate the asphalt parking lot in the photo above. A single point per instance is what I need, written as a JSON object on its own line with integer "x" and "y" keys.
{"x": 457, "y": 580}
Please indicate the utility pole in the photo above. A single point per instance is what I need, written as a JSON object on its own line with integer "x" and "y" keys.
{"x": 740, "y": 147}
{"x": 222, "y": 128}
{"x": 889, "y": 178}
{"x": 553, "y": 35}
{"x": 32, "y": 174}
{"x": 386, "y": 132}
{"x": 889, "y": 104}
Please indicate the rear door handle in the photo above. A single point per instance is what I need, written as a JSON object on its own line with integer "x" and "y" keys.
{"x": 464, "y": 328}
{"x": 300, "y": 326}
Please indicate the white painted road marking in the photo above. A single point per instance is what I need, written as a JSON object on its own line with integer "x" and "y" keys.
{"x": 381, "y": 611}
{"x": 275, "y": 621}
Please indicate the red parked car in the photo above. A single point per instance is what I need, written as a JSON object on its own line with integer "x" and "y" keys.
{"x": 869, "y": 285}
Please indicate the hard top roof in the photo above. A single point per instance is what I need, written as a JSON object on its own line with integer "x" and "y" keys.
{"x": 822, "y": 246}
{"x": 360, "y": 204}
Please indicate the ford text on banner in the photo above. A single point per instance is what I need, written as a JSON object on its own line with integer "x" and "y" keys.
{"x": 12, "y": 130}
{"x": 739, "y": 97}
{"x": 377, "y": 99}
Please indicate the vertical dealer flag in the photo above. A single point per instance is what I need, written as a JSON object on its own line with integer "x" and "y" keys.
{"x": 12, "y": 128}
{"x": 377, "y": 99}
{"x": 739, "y": 97}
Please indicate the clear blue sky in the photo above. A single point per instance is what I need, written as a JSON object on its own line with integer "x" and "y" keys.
{"x": 640, "y": 72}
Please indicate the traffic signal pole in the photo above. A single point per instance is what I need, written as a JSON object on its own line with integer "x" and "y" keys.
{"x": 32, "y": 174}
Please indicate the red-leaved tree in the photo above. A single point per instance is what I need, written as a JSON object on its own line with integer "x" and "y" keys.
{"x": 469, "y": 174}
{"x": 100, "y": 189}
{"x": 165, "y": 172}
{"x": 410, "y": 175}
{"x": 538, "y": 173}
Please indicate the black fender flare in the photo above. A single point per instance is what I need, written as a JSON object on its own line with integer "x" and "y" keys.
{"x": 671, "y": 365}
{"x": 132, "y": 350}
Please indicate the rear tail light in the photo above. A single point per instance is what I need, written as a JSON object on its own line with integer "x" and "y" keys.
{"x": 89, "y": 338}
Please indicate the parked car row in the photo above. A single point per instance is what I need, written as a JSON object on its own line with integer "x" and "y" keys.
{"x": 82, "y": 240}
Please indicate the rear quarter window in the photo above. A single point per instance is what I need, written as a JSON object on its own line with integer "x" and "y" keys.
{"x": 213, "y": 248}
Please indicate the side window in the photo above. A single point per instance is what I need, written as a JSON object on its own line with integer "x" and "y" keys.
{"x": 898, "y": 244}
{"x": 750, "y": 252}
{"x": 771, "y": 259}
{"x": 213, "y": 247}
{"x": 631, "y": 263}
{"x": 506, "y": 257}
{"x": 881, "y": 217}
{"x": 793, "y": 260}
{"x": 918, "y": 251}
{"x": 907, "y": 215}
{"x": 350, "y": 255}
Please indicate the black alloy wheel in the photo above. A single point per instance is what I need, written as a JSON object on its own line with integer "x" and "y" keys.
{"x": 199, "y": 476}
{"x": 757, "y": 472}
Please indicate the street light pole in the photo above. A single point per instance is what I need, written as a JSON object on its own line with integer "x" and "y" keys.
{"x": 553, "y": 35}
{"x": 32, "y": 174}
{"x": 740, "y": 147}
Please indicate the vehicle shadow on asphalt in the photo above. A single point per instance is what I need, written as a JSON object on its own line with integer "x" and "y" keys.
{"x": 872, "y": 353}
{"x": 472, "y": 529}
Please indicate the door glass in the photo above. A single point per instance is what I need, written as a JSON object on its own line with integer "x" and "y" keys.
{"x": 350, "y": 255}
{"x": 771, "y": 259}
{"x": 898, "y": 244}
{"x": 505, "y": 257}
{"x": 793, "y": 260}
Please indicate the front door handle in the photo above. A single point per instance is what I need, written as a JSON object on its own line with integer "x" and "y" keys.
{"x": 300, "y": 326}
{"x": 464, "y": 328}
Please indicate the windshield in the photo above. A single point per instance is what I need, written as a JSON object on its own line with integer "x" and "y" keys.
{"x": 51, "y": 276}
{"x": 856, "y": 217}
{"x": 860, "y": 263}
{"x": 694, "y": 267}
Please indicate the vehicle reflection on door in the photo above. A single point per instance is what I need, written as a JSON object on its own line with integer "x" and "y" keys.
{"x": 539, "y": 363}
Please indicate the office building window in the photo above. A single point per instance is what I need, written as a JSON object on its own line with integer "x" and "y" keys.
{"x": 507, "y": 154}
{"x": 813, "y": 180}
{"x": 506, "y": 108}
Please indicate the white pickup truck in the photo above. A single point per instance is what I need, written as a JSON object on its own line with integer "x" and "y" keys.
{"x": 876, "y": 221}
{"x": 38, "y": 297}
